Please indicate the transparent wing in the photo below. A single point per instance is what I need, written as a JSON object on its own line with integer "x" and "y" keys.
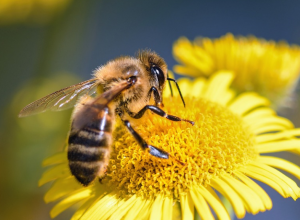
{"x": 62, "y": 99}
{"x": 88, "y": 114}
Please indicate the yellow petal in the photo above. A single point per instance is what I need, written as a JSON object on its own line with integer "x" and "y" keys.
{"x": 103, "y": 207}
{"x": 183, "y": 52}
{"x": 187, "y": 207}
{"x": 246, "y": 102}
{"x": 251, "y": 200}
{"x": 215, "y": 204}
{"x": 81, "y": 210}
{"x": 255, "y": 125}
{"x": 184, "y": 70}
{"x": 231, "y": 195}
{"x": 60, "y": 188}
{"x": 146, "y": 210}
{"x": 269, "y": 128}
{"x": 197, "y": 87}
{"x": 176, "y": 211}
{"x": 278, "y": 146}
{"x": 258, "y": 114}
{"x": 226, "y": 97}
{"x": 202, "y": 55}
{"x": 213, "y": 193}
{"x": 290, "y": 187}
{"x": 55, "y": 159}
{"x": 281, "y": 164}
{"x": 136, "y": 208}
{"x": 69, "y": 201}
{"x": 120, "y": 212}
{"x": 167, "y": 209}
{"x": 256, "y": 188}
{"x": 201, "y": 205}
{"x": 53, "y": 173}
{"x": 217, "y": 85}
{"x": 260, "y": 177}
{"x": 278, "y": 183}
{"x": 295, "y": 151}
{"x": 184, "y": 85}
{"x": 156, "y": 210}
{"x": 277, "y": 136}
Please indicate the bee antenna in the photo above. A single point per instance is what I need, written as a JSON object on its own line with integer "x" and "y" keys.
{"x": 173, "y": 80}
{"x": 170, "y": 85}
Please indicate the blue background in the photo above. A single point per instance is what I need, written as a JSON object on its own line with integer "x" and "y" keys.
{"x": 89, "y": 33}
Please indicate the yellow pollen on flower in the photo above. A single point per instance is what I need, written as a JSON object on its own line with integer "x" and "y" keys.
{"x": 218, "y": 142}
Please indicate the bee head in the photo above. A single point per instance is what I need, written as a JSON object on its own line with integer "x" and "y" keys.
{"x": 155, "y": 66}
{"x": 158, "y": 72}
{"x": 156, "y": 69}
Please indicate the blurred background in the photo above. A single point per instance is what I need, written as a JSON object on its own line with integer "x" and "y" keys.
{"x": 48, "y": 45}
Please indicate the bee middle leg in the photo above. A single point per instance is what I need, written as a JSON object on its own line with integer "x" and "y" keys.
{"x": 155, "y": 151}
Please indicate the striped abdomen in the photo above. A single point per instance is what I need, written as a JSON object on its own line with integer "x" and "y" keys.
{"x": 89, "y": 146}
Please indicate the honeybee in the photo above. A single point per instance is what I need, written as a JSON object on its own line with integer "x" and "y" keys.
{"x": 126, "y": 87}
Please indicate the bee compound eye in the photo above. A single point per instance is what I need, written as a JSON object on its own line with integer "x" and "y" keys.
{"x": 159, "y": 74}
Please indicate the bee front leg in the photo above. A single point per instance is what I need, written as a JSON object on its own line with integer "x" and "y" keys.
{"x": 155, "y": 151}
{"x": 157, "y": 96}
{"x": 159, "y": 112}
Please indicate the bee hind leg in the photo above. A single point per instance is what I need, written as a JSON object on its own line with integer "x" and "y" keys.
{"x": 103, "y": 172}
{"x": 101, "y": 178}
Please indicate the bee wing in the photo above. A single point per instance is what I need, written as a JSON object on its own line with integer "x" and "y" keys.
{"x": 88, "y": 113}
{"x": 110, "y": 94}
{"x": 61, "y": 99}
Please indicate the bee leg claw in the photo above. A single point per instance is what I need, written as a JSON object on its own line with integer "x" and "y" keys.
{"x": 158, "y": 152}
{"x": 162, "y": 154}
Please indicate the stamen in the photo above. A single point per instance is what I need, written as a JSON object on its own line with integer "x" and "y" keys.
{"x": 219, "y": 141}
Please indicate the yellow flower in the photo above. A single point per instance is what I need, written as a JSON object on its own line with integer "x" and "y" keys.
{"x": 221, "y": 153}
{"x": 33, "y": 11}
{"x": 266, "y": 67}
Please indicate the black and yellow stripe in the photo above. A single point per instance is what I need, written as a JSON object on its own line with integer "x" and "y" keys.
{"x": 89, "y": 148}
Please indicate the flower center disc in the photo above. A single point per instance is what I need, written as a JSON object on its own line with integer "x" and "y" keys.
{"x": 218, "y": 142}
